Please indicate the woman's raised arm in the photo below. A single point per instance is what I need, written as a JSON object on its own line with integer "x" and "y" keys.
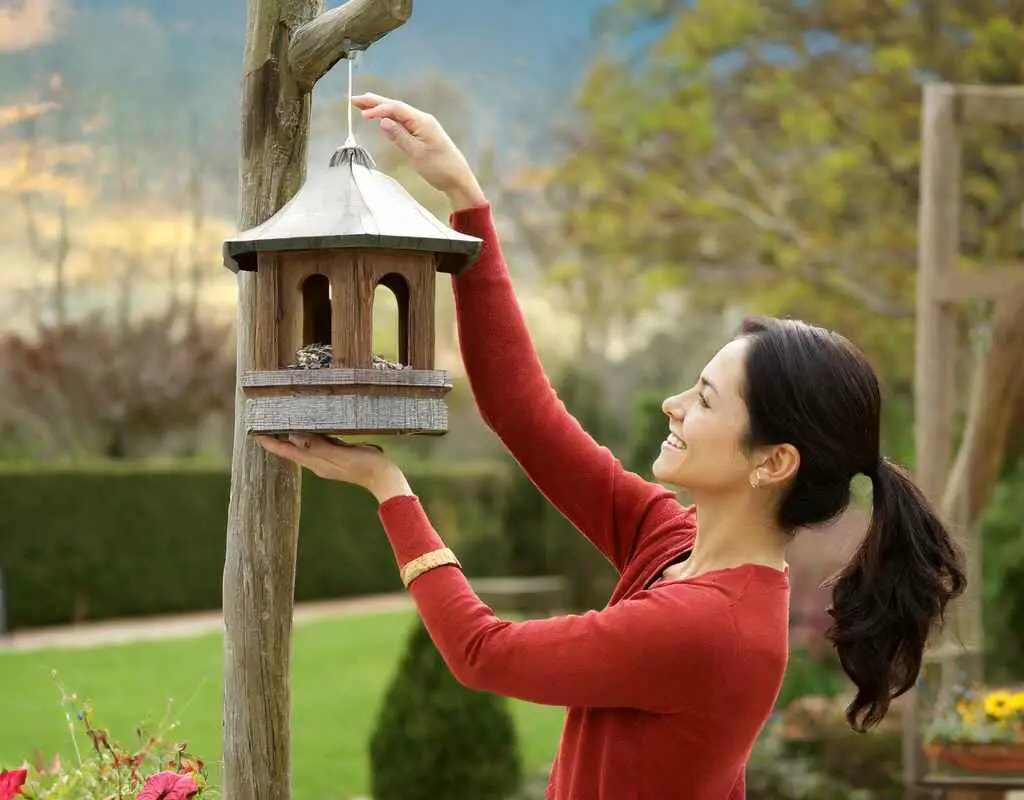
{"x": 581, "y": 478}
{"x": 607, "y": 503}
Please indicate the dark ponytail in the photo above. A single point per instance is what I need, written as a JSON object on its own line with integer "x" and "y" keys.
{"x": 811, "y": 388}
{"x": 891, "y": 595}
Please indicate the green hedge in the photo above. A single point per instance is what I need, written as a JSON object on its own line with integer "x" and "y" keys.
{"x": 118, "y": 540}
{"x": 435, "y": 739}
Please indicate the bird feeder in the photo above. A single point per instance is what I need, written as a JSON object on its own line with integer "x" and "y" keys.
{"x": 318, "y": 262}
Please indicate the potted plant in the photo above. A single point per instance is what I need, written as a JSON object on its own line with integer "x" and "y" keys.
{"x": 979, "y": 729}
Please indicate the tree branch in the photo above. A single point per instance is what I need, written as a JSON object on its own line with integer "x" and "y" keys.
{"x": 878, "y": 152}
{"x": 328, "y": 38}
{"x": 827, "y": 277}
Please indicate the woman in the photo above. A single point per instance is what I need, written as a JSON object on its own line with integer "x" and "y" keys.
{"x": 668, "y": 686}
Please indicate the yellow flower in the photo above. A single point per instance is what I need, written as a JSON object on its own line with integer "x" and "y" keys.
{"x": 1017, "y": 701}
{"x": 999, "y": 705}
{"x": 966, "y": 711}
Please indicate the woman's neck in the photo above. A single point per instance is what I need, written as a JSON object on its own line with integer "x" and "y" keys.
{"x": 730, "y": 534}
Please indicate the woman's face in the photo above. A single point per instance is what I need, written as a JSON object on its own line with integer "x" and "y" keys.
{"x": 703, "y": 451}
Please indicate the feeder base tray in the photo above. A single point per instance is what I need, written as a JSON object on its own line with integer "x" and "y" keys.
{"x": 346, "y": 401}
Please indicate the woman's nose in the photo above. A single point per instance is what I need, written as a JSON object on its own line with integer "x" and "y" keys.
{"x": 673, "y": 406}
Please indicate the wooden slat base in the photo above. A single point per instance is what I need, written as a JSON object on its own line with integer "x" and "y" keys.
{"x": 346, "y": 401}
{"x": 349, "y": 414}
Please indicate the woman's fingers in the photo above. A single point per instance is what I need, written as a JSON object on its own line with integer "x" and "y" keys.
{"x": 324, "y": 448}
{"x": 310, "y": 458}
{"x": 334, "y": 440}
{"x": 318, "y": 447}
{"x": 398, "y": 134}
{"x": 369, "y": 100}
{"x": 285, "y": 449}
{"x": 330, "y": 458}
{"x": 275, "y": 446}
{"x": 400, "y": 112}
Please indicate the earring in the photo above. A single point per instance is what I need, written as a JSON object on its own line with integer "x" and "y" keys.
{"x": 755, "y": 479}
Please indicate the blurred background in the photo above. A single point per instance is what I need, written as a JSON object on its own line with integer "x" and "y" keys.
{"x": 659, "y": 169}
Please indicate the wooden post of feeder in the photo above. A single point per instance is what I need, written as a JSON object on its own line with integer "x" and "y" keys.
{"x": 262, "y": 532}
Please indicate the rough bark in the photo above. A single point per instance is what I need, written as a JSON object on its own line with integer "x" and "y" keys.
{"x": 263, "y": 523}
{"x": 262, "y": 535}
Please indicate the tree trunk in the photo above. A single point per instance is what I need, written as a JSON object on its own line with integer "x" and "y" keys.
{"x": 196, "y": 262}
{"x": 263, "y": 522}
{"x": 263, "y": 515}
{"x": 60, "y": 258}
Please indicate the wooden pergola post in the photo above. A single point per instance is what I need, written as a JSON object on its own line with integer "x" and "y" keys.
{"x": 290, "y": 45}
{"x": 940, "y": 288}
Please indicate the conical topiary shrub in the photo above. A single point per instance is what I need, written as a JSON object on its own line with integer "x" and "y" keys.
{"x": 437, "y": 740}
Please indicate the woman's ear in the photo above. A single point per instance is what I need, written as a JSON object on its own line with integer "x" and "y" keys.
{"x": 776, "y": 465}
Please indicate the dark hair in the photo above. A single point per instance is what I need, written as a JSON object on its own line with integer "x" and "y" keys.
{"x": 813, "y": 389}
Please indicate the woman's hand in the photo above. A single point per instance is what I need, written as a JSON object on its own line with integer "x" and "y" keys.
{"x": 360, "y": 464}
{"x": 430, "y": 150}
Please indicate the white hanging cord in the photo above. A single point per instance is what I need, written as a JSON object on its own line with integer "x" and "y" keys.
{"x": 350, "y": 140}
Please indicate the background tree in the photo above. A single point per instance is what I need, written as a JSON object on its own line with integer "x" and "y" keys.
{"x": 765, "y": 157}
{"x": 43, "y": 178}
{"x": 116, "y": 389}
{"x": 767, "y": 153}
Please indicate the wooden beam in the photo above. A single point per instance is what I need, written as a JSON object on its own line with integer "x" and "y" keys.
{"x": 997, "y": 384}
{"x": 325, "y": 40}
{"x": 263, "y": 521}
{"x": 990, "y": 105}
{"x": 938, "y": 249}
{"x": 987, "y": 283}
{"x": 935, "y": 377}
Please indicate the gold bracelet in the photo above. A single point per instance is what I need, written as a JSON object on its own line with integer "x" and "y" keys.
{"x": 426, "y": 562}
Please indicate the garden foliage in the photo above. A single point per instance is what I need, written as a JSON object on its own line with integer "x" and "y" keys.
{"x": 438, "y": 740}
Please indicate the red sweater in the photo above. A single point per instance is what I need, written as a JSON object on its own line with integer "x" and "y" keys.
{"x": 668, "y": 686}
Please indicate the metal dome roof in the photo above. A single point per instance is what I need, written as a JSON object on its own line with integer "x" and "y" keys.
{"x": 352, "y": 204}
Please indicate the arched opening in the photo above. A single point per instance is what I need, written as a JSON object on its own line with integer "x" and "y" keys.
{"x": 316, "y": 310}
{"x": 391, "y": 319}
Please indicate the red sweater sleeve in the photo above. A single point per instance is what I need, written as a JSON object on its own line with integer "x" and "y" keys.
{"x": 587, "y": 484}
{"x": 644, "y": 653}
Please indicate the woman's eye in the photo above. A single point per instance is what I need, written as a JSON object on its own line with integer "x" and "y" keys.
{"x": 703, "y": 401}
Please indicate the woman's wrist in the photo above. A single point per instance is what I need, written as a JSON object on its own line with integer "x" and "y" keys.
{"x": 390, "y": 484}
{"x": 465, "y": 195}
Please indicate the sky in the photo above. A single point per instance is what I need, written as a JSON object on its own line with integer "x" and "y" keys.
{"x": 501, "y": 52}
{"x": 154, "y": 68}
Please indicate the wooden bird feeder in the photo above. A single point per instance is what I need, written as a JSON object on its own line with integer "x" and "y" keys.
{"x": 318, "y": 263}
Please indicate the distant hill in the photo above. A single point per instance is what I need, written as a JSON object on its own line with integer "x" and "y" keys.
{"x": 148, "y": 57}
{"x": 165, "y": 74}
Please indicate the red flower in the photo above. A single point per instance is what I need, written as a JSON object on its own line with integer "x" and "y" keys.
{"x": 11, "y": 783}
{"x": 167, "y": 786}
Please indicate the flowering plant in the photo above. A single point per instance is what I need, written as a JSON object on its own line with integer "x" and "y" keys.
{"x": 979, "y": 715}
{"x": 155, "y": 768}
{"x": 11, "y": 782}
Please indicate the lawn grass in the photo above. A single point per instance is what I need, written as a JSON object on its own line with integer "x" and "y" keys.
{"x": 340, "y": 670}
